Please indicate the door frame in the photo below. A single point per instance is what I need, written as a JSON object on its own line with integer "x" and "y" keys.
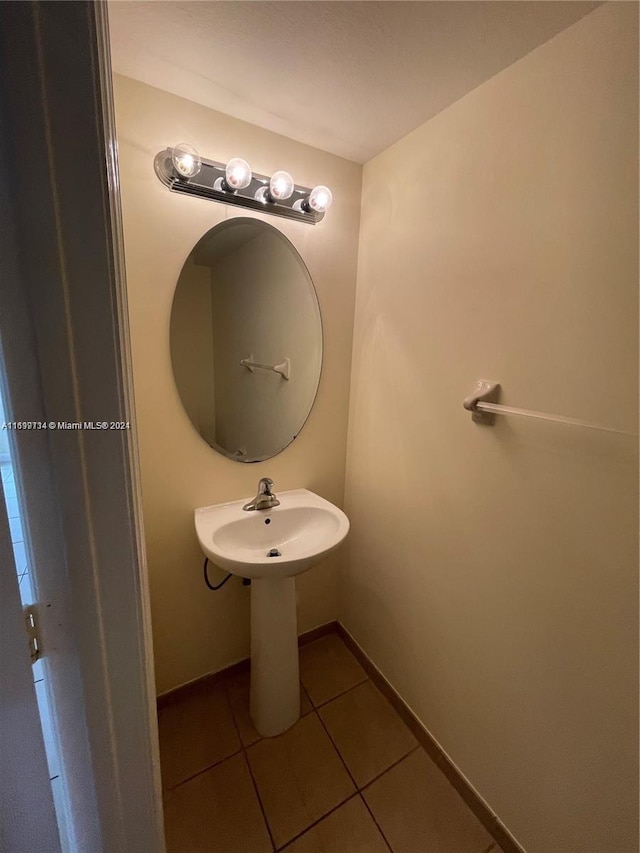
{"x": 60, "y": 131}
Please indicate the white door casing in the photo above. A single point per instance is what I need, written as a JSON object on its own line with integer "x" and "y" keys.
{"x": 64, "y": 332}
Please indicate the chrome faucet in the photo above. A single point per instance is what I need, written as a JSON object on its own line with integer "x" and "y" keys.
{"x": 265, "y": 498}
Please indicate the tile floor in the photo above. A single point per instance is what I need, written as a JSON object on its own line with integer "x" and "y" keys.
{"x": 348, "y": 777}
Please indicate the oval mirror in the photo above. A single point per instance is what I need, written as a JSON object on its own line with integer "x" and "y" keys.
{"x": 246, "y": 339}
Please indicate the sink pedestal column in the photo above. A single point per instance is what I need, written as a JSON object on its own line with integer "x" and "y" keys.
{"x": 275, "y": 679}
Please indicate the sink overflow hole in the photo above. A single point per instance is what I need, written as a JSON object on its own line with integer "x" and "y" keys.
{"x": 274, "y": 553}
{"x": 267, "y": 521}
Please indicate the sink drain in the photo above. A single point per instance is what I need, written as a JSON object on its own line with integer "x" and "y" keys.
{"x": 274, "y": 553}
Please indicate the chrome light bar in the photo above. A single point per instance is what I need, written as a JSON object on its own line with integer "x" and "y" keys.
{"x": 203, "y": 185}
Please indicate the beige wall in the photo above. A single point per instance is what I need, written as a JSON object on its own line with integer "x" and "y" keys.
{"x": 197, "y": 631}
{"x": 493, "y": 572}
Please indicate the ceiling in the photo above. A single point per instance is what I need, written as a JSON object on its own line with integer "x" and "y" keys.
{"x": 348, "y": 77}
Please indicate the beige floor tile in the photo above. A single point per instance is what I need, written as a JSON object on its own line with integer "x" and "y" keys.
{"x": 299, "y": 777}
{"x": 195, "y": 733}
{"x": 327, "y": 668}
{"x": 237, "y": 687}
{"x": 368, "y": 733}
{"x": 217, "y": 812}
{"x": 419, "y": 812}
{"x": 349, "y": 829}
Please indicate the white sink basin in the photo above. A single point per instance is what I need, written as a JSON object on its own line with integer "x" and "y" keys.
{"x": 302, "y": 530}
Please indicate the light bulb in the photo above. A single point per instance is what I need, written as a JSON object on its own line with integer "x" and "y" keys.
{"x": 238, "y": 173}
{"x": 320, "y": 199}
{"x": 281, "y": 186}
{"x": 186, "y": 160}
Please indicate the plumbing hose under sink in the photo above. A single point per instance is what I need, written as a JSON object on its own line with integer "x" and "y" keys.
{"x": 208, "y": 582}
{"x": 214, "y": 587}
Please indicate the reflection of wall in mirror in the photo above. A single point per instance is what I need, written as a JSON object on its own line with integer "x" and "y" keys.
{"x": 263, "y": 305}
{"x": 192, "y": 346}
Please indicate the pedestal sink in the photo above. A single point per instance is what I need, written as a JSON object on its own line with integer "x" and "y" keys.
{"x": 271, "y": 547}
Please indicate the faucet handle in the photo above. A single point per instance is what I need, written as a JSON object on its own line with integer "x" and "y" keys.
{"x": 265, "y": 499}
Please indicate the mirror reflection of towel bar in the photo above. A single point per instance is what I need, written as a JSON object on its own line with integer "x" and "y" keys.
{"x": 483, "y": 405}
{"x": 284, "y": 368}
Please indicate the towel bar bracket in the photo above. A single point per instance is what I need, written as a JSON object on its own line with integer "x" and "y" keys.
{"x": 484, "y": 392}
{"x": 284, "y": 369}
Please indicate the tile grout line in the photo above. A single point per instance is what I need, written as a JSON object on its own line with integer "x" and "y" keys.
{"x": 317, "y": 821}
{"x": 358, "y": 790}
{"x": 333, "y": 744}
{"x": 373, "y": 818}
{"x": 257, "y": 795}
{"x": 390, "y": 767}
{"x": 322, "y": 817}
{"x": 337, "y": 696}
{"x": 337, "y": 749}
{"x": 243, "y": 750}
{"x": 172, "y": 788}
{"x": 309, "y": 700}
{"x": 335, "y": 808}
{"x": 206, "y": 769}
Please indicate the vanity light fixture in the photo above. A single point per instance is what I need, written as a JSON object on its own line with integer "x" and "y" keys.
{"x": 182, "y": 170}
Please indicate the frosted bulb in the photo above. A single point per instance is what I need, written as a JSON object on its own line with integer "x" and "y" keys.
{"x": 238, "y": 173}
{"x": 186, "y": 160}
{"x": 281, "y": 186}
{"x": 320, "y": 199}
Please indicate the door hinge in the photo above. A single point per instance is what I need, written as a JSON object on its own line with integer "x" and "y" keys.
{"x": 31, "y": 622}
